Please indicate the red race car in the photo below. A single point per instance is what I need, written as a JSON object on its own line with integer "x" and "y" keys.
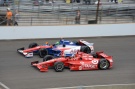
{"x": 80, "y": 61}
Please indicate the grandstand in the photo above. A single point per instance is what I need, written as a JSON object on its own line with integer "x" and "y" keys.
{"x": 62, "y": 13}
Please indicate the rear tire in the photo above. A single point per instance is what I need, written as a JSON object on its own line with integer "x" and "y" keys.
{"x": 85, "y": 49}
{"x": 32, "y": 45}
{"x": 103, "y": 64}
{"x": 43, "y": 52}
{"x": 58, "y": 66}
{"x": 47, "y": 57}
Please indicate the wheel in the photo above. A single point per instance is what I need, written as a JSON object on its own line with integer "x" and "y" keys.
{"x": 85, "y": 49}
{"x": 43, "y": 52}
{"x": 58, "y": 66}
{"x": 47, "y": 57}
{"x": 32, "y": 45}
{"x": 103, "y": 64}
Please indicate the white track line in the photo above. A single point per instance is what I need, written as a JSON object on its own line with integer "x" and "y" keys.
{"x": 3, "y": 85}
{"x": 90, "y": 86}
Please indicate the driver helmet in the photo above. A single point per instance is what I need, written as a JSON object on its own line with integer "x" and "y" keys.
{"x": 57, "y": 43}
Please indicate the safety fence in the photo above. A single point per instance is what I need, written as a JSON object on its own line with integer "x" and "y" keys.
{"x": 64, "y": 14}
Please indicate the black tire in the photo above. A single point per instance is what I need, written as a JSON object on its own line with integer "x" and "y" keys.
{"x": 58, "y": 66}
{"x": 43, "y": 52}
{"x": 48, "y": 57}
{"x": 85, "y": 49}
{"x": 103, "y": 64}
{"x": 32, "y": 45}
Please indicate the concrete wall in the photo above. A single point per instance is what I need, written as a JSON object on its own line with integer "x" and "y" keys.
{"x": 37, "y": 32}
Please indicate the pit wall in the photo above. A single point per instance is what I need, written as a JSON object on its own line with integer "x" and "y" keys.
{"x": 67, "y": 31}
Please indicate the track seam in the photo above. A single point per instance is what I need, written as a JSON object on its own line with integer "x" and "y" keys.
{"x": 4, "y": 86}
{"x": 90, "y": 86}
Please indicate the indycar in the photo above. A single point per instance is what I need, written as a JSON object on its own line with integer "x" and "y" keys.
{"x": 80, "y": 61}
{"x": 69, "y": 48}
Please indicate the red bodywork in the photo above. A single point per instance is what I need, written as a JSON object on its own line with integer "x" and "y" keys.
{"x": 81, "y": 61}
{"x": 36, "y": 48}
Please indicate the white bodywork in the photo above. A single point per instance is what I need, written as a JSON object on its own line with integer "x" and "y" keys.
{"x": 26, "y": 54}
{"x": 88, "y": 44}
{"x": 73, "y": 50}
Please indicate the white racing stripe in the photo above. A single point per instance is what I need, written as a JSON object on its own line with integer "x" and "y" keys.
{"x": 91, "y": 86}
{"x": 4, "y": 86}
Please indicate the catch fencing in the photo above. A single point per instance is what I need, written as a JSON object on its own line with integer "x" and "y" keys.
{"x": 64, "y": 14}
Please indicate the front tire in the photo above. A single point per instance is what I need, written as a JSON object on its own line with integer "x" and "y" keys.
{"x": 43, "y": 52}
{"x": 103, "y": 64}
{"x": 47, "y": 57}
{"x": 58, "y": 66}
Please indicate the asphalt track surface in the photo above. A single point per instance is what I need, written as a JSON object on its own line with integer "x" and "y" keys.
{"x": 17, "y": 73}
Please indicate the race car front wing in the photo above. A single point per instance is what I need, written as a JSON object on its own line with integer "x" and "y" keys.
{"x": 27, "y": 55}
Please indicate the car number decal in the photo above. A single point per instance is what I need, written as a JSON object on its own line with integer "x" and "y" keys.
{"x": 74, "y": 51}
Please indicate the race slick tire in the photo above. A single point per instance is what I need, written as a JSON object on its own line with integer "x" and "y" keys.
{"x": 85, "y": 49}
{"x": 48, "y": 57}
{"x": 32, "y": 45}
{"x": 43, "y": 52}
{"x": 103, "y": 64}
{"x": 58, "y": 66}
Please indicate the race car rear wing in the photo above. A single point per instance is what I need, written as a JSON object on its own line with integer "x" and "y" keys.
{"x": 91, "y": 45}
{"x": 86, "y": 43}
